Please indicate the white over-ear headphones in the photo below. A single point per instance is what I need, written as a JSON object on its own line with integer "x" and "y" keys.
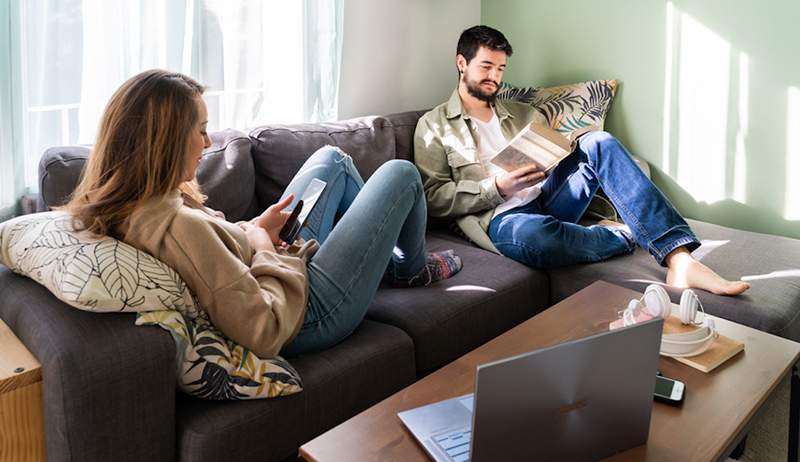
{"x": 655, "y": 303}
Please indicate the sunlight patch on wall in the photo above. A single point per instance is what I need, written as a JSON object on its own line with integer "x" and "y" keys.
{"x": 792, "y": 210}
{"x": 703, "y": 84}
{"x": 740, "y": 158}
{"x": 669, "y": 57}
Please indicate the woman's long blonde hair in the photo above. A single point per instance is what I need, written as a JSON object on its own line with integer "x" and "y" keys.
{"x": 140, "y": 151}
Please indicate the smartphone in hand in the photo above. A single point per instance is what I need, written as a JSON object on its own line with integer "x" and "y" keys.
{"x": 291, "y": 228}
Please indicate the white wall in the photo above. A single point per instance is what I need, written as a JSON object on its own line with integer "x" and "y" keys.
{"x": 399, "y": 55}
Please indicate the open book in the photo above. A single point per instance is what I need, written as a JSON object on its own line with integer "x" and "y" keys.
{"x": 539, "y": 145}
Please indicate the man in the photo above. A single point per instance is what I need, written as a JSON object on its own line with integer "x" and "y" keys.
{"x": 529, "y": 217}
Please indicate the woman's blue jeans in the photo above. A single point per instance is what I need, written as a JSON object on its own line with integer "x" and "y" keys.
{"x": 364, "y": 230}
{"x": 544, "y": 233}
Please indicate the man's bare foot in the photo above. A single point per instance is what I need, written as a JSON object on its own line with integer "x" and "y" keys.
{"x": 686, "y": 272}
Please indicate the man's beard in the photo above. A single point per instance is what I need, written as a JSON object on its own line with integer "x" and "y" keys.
{"x": 474, "y": 89}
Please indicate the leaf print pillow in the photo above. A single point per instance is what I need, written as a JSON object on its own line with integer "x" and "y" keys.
{"x": 90, "y": 273}
{"x": 567, "y": 107}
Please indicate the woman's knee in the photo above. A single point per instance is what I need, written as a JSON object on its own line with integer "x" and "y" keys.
{"x": 399, "y": 172}
{"x": 329, "y": 155}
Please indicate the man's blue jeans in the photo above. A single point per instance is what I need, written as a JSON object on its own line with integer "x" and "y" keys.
{"x": 361, "y": 228}
{"x": 544, "y": 233}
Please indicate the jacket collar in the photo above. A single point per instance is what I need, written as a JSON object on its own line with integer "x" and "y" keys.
{"x": 455, "y": 108}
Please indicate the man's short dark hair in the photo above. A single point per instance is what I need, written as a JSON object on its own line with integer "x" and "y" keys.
{"x": 481, "y": 36}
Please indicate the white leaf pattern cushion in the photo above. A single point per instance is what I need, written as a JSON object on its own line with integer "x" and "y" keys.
{"x": 93, "y": 274}
{"x": 103, "y": 274}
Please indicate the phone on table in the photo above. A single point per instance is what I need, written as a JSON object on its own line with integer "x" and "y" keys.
{"x": 668, "y": 390}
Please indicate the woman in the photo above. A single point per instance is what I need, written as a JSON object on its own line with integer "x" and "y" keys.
{"x": 139, "y": 186}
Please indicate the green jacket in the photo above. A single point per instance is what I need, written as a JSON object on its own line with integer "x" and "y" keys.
{"x": 457, "y": 186}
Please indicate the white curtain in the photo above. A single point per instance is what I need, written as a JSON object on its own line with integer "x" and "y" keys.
{"x": 263, "y": 61}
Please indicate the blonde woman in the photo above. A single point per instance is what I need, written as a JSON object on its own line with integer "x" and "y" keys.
{"x": 139, "y": 186}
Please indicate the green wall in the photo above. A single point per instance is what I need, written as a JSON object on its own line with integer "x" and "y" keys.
{"x": 724, "y": 77}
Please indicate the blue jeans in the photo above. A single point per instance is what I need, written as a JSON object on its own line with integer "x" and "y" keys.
{"x": 544, "y": 233}
{"x": 364, "y": 230}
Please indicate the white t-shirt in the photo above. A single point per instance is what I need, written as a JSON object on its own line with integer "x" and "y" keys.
{"x": 491, "y": 140}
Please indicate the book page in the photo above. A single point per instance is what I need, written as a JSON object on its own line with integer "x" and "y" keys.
{"x": 534, "y": 145}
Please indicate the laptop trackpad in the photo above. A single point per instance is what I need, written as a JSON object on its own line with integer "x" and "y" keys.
{"x": 438, "y": 417}
{"x": 467, "y": 402}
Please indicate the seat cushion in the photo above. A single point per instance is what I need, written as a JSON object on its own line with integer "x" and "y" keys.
{"x": 490, "y": 295}
{"x": 374, "y": 362}
{"x": 770, "y": 263}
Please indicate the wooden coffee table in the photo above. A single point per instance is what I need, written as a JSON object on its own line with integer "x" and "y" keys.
{"x": 717, "y": 409}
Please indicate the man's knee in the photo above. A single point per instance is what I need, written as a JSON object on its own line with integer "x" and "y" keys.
{"x": 533, "y": 242}
{"x": 599, "y": 145}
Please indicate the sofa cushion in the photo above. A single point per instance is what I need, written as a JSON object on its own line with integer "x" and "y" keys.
{"x": 90, "y": 273}
{"x": 227, "y": 177}
{"x": 374, "y": 362}
{"x": 567, "y": 107}
{"x": 225, "y": 174}
{"x": 404, "y": 124}
{"x": 280, "y": 150}
{"x": 770, "y": 263}
{"x": 490, "y": 295}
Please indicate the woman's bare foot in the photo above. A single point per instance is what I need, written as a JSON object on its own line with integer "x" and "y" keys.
{"x": 686, "y": 272}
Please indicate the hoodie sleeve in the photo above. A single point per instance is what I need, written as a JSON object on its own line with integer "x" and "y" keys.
{"x": 258, "y": 300}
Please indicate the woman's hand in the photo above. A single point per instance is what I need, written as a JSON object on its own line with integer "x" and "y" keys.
{"x": 273, "y": 219}
{"x": 257, "y": 237}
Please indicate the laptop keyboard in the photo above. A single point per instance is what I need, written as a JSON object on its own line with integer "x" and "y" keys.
{"x": 455, "y": 443}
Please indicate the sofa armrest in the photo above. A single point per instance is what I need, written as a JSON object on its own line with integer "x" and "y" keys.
{"x": 108, "y": 385}
{"x": 643, "y": 165}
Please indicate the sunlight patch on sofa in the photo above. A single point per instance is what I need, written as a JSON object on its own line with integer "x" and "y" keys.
{"x": 469, "y": 287}
{"x": 706, "y": 247}
{"x": 792, "y": 273}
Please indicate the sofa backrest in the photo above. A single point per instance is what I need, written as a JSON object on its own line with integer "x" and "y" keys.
{"x": 225, "y": 174}
{"x": 243, "y": 174}
{"x": 280, "y": 150}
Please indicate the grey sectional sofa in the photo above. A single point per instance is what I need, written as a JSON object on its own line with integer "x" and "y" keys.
{"x": 109, "y": 387}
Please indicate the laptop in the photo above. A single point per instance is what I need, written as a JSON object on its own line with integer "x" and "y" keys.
{"x": 581, "y": 400}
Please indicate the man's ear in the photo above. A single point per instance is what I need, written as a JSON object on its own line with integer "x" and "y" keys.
{"x": 461, "y": 63}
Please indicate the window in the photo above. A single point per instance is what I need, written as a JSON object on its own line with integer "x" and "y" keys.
{"x": 260, "y": 60}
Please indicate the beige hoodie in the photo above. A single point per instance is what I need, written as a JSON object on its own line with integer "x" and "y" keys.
{"x": 256, "y": 299}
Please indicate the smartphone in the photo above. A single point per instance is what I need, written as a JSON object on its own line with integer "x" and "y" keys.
{"x": 290, "y": 228}
{"x": 302, "y": 210}
{"x": 668, "y": 390}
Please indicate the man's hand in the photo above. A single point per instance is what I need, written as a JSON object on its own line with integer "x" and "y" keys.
{"x": 273, "y": 219}
{"x": 257, "y": 237}
{"x": 510, "y": 183}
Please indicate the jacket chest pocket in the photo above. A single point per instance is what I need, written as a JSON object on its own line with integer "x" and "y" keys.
{"x": 465, "y": 164}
